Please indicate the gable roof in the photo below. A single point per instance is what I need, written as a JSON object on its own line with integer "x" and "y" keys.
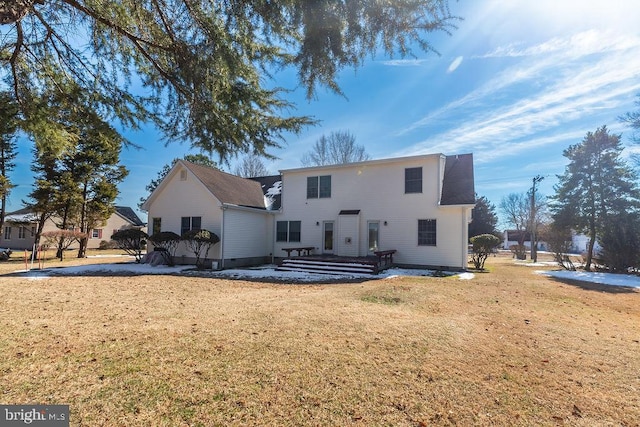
{"x": 127, "y": 213}
{"x": 21, "y": 216}
{"x": 227, "y": 188}
{"x": 458, "y": 183}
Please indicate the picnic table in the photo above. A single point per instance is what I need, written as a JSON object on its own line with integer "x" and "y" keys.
{"x": 306, "y": 249}
{"x": 385, "y": 257}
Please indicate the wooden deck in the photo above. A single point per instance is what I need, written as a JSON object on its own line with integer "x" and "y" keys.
{"x": 332, "y": 264}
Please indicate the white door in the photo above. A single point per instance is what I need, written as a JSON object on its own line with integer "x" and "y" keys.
{"x": 374, "y": 235}
{"x": 327, "y": 237}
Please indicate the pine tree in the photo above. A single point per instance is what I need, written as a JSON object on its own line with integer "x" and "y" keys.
{"x": 8, "y": 147}
{"x": 483, "y": 218}
{"x": 596, "y": 187}
{"x": 205, "y": 66}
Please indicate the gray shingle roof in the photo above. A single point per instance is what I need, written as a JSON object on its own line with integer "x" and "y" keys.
{"x": 458, "y": 183}
{"x": 229, "y": 188}
{"x": 128, "y": 213}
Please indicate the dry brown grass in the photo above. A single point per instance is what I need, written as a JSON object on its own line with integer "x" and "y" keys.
{"x": 507, "y": 348}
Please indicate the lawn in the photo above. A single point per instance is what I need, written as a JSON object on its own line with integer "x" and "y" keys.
{"x": 508, "y": 347}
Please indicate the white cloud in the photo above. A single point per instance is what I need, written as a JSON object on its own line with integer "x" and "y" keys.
{"x": 404, "y": 62}
{"x": 455, "y": 64}
{"x": 543, "y": 99}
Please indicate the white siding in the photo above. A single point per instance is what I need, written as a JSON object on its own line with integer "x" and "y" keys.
{"x": 189, "y": 197}
{"x": 377, "y": 190}
{"x": 246, "y": 233}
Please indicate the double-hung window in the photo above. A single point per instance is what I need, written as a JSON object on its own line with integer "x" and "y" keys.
{"x": 190, "y": 223}
{"x": 319, "y": 187}
{"x": 427, "y": 232}
{"x": 288, "y": 231}
{"x": 413, "y": 180}
{"x": 156, "y": 225}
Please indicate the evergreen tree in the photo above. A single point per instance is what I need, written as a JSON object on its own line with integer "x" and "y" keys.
{"x": 8, "y": 147}
{"x": 205, "y": 66}
{"x": 76, "y": 162}
{"x": 596, "y": 187}
{"x": 483, "y": 218}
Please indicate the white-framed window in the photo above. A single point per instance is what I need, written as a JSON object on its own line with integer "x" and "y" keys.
{"x": 288, "y": 231}
{"x": 96, "y": 233}
{"x": 427, "y": 232}
{"x": 413, "y": 180}
{"x": 189, "y": 223}
{"x": 319, "y": 187}
{"x": 7, "y": 233}
{"x": 22, "y": 232}
{"x": 156, "y": 225}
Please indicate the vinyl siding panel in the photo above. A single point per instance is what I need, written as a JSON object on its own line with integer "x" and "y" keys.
{"x": 246, "y": 233}
{"x": 180, "y": 198}
{"x": 378, "y": 191}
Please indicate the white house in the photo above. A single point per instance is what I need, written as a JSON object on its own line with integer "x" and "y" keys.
{"x": 419, "y": 206}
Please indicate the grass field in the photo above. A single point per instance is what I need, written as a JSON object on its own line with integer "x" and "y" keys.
{"x": 509, "y": 347}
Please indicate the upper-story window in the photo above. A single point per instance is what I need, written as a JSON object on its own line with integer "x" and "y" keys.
{"x": 413, "y": 180}
{"x": 318, "y": 187}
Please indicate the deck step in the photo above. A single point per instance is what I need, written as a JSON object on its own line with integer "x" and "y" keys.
{"x": 326, "y": 267}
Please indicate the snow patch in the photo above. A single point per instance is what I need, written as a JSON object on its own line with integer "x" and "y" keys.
{"x": 610, "y": 279}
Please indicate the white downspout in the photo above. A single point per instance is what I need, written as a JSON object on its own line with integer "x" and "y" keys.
{"x": 224, "y": 209}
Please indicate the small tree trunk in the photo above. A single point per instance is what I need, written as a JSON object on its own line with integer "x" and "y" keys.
{"x": 587, "y": 264}
{"x": 82, "y": 249}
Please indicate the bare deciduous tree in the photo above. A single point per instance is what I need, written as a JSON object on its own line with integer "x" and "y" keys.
{"x": 338, "y": 148}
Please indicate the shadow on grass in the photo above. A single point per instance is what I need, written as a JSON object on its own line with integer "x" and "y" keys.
{"x": 597, "y": 287}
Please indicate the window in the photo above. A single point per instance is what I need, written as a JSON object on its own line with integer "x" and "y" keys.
{"x": 7, "y": 233}
{"x": 190, "y": 223}
{"x": 22, "y": 231}
{"x": 156, "y": 226}
{"x": 319, "y": 187}
{"x": 426, "y": 232}
{"x": 413, "y": 180}
{"x": 183, "y": 175}
{"x": 96, "y": 233}
{"x": 288, "y": 231}
{"x": 33, "y": 231}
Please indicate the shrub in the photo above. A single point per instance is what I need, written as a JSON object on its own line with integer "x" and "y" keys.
{"x": 519, "y": 251}
{"x": 168, "y": 242}
{"x": 199, "y": 241}
{"x": 482, "y": 246}
{"x": 107, "y": 244}
{"x": 558, "y": 239}
{"x": 62, "y": 240}
{"x": 132, "y": 241}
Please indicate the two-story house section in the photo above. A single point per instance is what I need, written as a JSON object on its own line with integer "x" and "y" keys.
{"x": 419, "y": 206}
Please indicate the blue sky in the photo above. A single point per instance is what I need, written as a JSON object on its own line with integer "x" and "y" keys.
{"x": 517, "y": 83}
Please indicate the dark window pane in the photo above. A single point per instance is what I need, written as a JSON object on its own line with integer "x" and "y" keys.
{"x": 294, "y": 231}
{"x": 282, "y": 231}
{"x": 325, "y": 186}
{"x": 426, "y": 232}
{"x": 196, "y": 223}
{"x": 413, "y": 180}
{"x": 186, "y": 224}
{"x": 312, "y": 187}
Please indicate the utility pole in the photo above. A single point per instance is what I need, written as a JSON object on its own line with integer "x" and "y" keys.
{"x": 534, "y": 249}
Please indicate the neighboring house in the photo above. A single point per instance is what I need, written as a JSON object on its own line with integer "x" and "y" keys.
{"x": 419, "y": 206}
{"x": 19, "y": 228}
{"x": 512, "y": 237}
{"x": 580, "y": 243}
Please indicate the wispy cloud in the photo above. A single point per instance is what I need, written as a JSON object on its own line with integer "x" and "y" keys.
{"x": 555, "y": 85}
{"x": 404, "y": 62}
{"x": 455, "y": 64}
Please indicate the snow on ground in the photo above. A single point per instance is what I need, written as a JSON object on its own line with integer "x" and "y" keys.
{"x": 625, "y": 280}
{"x": 262, "y": 272}
{"x": 270, "y": 272}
